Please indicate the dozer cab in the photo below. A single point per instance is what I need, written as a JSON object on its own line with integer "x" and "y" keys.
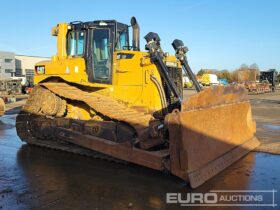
{"x": 102, "y": 97}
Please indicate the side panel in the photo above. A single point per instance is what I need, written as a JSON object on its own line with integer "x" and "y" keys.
{"x": 70, "y": 69}
{"x": 132, "y": 83}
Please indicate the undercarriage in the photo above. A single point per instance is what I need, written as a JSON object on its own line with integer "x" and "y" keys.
{"x": 117, "y": 131}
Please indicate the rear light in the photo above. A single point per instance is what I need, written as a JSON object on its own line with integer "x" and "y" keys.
{"x": 40, "y": 69}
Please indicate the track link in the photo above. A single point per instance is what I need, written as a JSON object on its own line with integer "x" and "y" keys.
{"x": 24, "y": 131}
{"x": 105, "y": 105}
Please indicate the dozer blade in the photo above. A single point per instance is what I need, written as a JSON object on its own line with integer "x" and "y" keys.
{"x": 2, "y": 107}
{"x": 214, "y": 129}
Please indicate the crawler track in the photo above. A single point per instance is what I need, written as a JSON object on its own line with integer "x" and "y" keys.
{"x": 26, "y": 133}
{"x": 107, "y": 106}
{"x": 103, "y": 105}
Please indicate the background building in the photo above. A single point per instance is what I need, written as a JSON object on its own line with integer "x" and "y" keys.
{"x": 7, "y": 64}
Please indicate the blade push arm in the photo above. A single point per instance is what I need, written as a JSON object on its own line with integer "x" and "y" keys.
{"x": 153, "y": 45}
{"x": 181, "y": 51}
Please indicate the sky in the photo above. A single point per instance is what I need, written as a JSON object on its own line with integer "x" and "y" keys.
{"x": 220, "y": 34}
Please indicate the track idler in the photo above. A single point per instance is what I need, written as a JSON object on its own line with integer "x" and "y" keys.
{"x": 44, "y": 102}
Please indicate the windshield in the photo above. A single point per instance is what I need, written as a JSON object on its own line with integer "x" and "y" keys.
{"x": 75, "y": 43}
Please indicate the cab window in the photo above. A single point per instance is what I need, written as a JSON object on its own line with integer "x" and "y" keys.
{"x": 75, "y": 43}
{"x": 122, "y": 40}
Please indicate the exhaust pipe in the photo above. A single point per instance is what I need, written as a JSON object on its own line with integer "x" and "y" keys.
{"x": 136, "y": 34}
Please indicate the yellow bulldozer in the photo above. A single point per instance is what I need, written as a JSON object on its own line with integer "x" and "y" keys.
{"x": 2, "y": 107}
{"x": 101, "y": 96}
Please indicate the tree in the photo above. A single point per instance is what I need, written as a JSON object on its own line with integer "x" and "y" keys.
{"x": 201, "y": 72}
{"x": 254, "y": 66}
{"x": 243, "y": 67}
{"x": 246, "y": 73}
{"x": 234, "y": 76}
{"x": 224, "y": 74}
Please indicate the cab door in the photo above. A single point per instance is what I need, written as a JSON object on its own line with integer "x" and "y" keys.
{"x": 100, "y": 54}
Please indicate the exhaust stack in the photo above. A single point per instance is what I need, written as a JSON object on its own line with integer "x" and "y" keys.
{"x": 136, "y": 34}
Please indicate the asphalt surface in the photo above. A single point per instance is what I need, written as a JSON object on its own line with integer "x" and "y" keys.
{"x": 38, "y": 178}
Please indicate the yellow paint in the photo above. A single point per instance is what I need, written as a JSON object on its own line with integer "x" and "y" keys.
{"x": 78, "y": 111}
{"x": 130, "y": 81}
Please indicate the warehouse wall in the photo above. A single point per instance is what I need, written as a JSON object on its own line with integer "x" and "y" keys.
{"x": 7, "y": 64}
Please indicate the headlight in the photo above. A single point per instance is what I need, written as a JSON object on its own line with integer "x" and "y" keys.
{"x": 40, "y": 69}
{"x": 171, "y": 64}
